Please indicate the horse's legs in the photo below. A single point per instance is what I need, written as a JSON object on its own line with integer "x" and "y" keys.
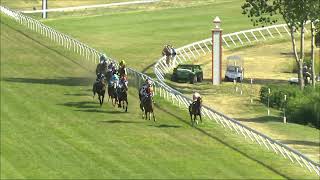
{"x": 126, "y": 105}
{"x": 100, "y": 100}
{"x": 146, "y": 114}
{"x": 154, "y": 117}
{"x": 149, "y": 116}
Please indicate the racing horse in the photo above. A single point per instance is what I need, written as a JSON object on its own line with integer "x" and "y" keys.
{"x": 112, "y": 93}
{"x": 99, "y": 88}
{"x": 195, "y": 110}
{"x": 146, "y": 106}
{"x": 123, "y": 97}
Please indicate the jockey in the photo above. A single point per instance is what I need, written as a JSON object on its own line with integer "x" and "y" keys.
{"x": 122, "y": 68}
{"x": 123, "y": 82}
{"x": 111, "y": 67}
{"x": 146, "y": 90}
{"x": 100, "y": 77}
{"x": 103, "y": 59}
{"x": 114, "y": 80}
{"x": 195, "y": 96}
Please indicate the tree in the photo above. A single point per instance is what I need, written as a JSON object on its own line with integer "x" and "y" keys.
{"x": 315, "y": 28}
{"x": 295, "y": 13}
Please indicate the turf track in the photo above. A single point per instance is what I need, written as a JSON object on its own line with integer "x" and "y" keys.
{"x": 51, "y": 127}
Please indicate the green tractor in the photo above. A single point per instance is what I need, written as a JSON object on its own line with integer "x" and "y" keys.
{"x": 187, "y": 73}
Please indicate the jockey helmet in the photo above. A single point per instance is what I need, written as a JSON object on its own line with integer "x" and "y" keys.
{"x": 122, "y": 62}
{"x": 149, "y": 81}
{"x": 103, "y": 57}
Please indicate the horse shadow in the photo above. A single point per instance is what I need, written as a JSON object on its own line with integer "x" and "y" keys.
{"x": 63, "y": 81}
{"x": 121, "y": 122}
{"x": 166, "y": 126}
{"x": 81, "y": 104}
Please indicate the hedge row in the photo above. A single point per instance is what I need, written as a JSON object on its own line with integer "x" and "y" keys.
{"x": 302, "y": 107}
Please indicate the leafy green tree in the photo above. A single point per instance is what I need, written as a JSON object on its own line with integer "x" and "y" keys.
{"x": 295, "y": 13}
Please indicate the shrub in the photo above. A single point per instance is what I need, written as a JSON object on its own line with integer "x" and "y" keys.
{"x": 301, "y": 107}
{"x": 277, "y": 93}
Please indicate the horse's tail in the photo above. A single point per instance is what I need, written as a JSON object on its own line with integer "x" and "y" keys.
{"x": 190, "y": 108}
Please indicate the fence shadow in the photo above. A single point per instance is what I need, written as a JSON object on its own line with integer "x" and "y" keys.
{"x": 262, "y": 119}
{"x": 218, "y": 139}
{"x": 298, "y": 142}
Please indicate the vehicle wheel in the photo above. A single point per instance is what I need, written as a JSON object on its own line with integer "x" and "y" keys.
{"x": 174, "y": 78}
{"x": 193, "y": 79}
{"x": 200, "y": 78}
{"x": 226, "y": 78}
{"x": 238, "y": 79}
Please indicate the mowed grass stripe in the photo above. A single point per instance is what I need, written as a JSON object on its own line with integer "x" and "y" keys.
{"x": 138, "y": 37}
{"x": 51, "y": 127}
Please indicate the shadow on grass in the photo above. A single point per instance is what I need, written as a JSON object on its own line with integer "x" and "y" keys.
{"x": 262, "y": 119}
{"x": 304, "y": 143}
{"x": 218, "y": 139}
{"x": 77, "y": 94}
{"x": 265, "y": 81}
{"x": 166, "y": 126}
{"x": 63, "y": 81}
{"x": 82, "y": 104}
{"x": 121, "y": 121}
{"x": 100, "y": 111}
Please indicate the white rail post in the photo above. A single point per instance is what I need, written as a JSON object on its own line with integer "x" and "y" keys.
{"x": 44, "y": 8}
{"x": 216, "y": 52}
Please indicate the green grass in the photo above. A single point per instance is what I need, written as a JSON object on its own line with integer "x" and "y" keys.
{"x": 270, "y": 63}
{"x": 29, "y": 4}
{"x": 51, "y": 127}
{"x": 139, "y": 36}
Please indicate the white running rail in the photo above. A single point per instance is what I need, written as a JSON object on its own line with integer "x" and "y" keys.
{"x": 91, "y": 6}
{"x": 163, "y": 90}
{"x": 200, "y": 48}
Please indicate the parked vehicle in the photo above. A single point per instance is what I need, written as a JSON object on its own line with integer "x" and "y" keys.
{"x": 235, "y": 70}
{"x": 188, "y": 73}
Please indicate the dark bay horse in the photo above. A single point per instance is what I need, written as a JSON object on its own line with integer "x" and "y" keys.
{"x": 112, "y": 93}
{"x": 123, "y": 97}
{"x": 100, "y": 89}
{"x": 146, "y": 106}
{"x": 195, "y": 110}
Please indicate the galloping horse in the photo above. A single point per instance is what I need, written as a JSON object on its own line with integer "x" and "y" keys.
{"x": 112, "y": 93}
{"x": 100, "y": 89}
{"x": 146, "y": 106}
{"x": 123, "y": 97}
{"x": 194, "y": 110}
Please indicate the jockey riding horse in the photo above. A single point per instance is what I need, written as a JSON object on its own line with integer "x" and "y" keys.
{"x": 122, "y": 93}
{"x": 99, "y": 87}
{"x": 195, "y": 108}
{"x": 146, "y": 100}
